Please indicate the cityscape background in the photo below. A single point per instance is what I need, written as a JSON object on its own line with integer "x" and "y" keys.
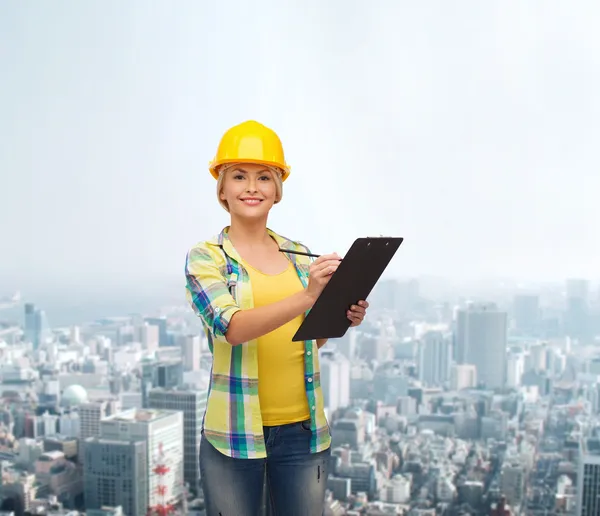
{"x": 471, "y": 130}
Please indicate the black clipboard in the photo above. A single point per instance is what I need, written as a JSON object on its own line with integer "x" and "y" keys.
{"x": 354, "y": 279}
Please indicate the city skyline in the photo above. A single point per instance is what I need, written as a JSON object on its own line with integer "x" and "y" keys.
{"x": 472, "y": 386}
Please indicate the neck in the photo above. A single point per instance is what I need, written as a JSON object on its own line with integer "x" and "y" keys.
{"x": 248, "y": 232}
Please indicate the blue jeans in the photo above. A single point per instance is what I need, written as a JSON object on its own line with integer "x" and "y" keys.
{"x": 296, "y": 478}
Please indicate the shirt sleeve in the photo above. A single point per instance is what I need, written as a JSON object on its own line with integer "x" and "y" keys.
{"x": 207, "y": 292}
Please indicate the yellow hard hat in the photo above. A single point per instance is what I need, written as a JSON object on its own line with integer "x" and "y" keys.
{"x": 250, "y": 142}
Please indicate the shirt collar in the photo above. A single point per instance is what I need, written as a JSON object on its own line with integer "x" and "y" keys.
{"x": 222, "y": 240}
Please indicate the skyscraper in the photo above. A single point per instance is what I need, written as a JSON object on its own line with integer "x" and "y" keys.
{"x": 116, "y": 473}
{"x": 192, "y": 404}
{"x": 588, "y": 478}
{"x": 481, "y": 338}
{"x": 36, "y": 325}
{"x": 335, "y": 380}
{"x": 526, "y": 311}
{"x": 167, "y": 374}
{"x": 577, "y": 317}
{"x": 159, "y": 429}
{"x": 163, "y": 335}
{"x": 435, "y": 354}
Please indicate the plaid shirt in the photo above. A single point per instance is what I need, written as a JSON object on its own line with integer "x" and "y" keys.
{"x": 217, "y": 287}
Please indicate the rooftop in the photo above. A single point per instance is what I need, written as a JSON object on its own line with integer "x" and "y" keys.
{"x": 140, "y": 415}
{"x": 591, "y": 446}
{"x": 51, "y": 455}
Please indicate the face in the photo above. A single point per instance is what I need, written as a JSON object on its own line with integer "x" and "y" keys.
{"x": 249, "y": 190}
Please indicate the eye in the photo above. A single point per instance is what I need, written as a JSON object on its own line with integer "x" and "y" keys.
{"x": 265, "y": 178}
{"x": 238, "y": 176}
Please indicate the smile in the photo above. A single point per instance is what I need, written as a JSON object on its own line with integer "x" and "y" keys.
{"x": 252, "y": 202}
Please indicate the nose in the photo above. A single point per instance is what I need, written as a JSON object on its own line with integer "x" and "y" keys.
{"x": 252, "y": 186}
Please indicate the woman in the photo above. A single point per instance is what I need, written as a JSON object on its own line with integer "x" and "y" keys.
{"x": 265, "y": 406}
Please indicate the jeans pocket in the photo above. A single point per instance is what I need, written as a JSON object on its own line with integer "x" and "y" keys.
{"x": 305, "y": 425}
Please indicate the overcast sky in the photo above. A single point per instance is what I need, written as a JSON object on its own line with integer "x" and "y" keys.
{"x": 469, "y": 128}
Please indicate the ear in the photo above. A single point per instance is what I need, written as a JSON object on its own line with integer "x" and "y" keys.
{"x": 222, "y": 195}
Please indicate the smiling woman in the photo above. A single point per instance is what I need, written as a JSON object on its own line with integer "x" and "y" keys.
{"x": 265, "y": 408}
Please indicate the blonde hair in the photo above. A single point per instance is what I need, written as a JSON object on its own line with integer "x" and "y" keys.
{"x": 277, "y": 173}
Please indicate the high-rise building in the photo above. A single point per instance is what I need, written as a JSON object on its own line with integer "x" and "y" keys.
{"x": 512, "y": 482}
{"x": 515, "y": 367}
{"x": 115, "y": 473}
{"x": 463, "y": 376}
{"x": 577, "y": 316}
{"x": 167, "y": 374}
{"x": 588, "y": 478}
{"x": 162, "y": 432}
{"x": 335, "y": 380}
{"x": 161, "y": 322}
{"x": 481, "y": 339}
{"x": 192, "y": 404}
{"x": 36, "y": 325}
{"x": 526, "y": 312}
{"x": 90, "y": 415}
{"x": 191, "y": 348}
{"x": 435, "y": 356}
{"x": 149, "y": 335}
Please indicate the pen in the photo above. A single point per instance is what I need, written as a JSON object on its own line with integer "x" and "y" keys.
{"x": 299, "y": 252}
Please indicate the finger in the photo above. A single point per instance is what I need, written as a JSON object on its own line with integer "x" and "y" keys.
{"x": 354, "y": 316}
{"x": 355, "y": 322}
{"x": 358, "y": 309}
{"x": 326, "y": 270}
{"x": 327, "y": 263}
{"x": 364, "y": 304}
{"x": 325, "y": 257}
{"x": 315, "y": 267}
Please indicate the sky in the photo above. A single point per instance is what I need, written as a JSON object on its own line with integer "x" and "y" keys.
{"x": 469, "y": 128}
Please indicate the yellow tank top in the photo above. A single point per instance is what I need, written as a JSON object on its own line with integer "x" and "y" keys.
{"x": 281, "y": 389}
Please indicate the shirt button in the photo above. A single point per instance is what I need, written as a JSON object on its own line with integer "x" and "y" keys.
{"x": 313, "y": 407}
{"x": 309, "y": 380}
{"x": 309, "y": 353}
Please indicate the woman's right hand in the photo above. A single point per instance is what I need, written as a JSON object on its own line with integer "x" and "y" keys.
{"x": 320, "y": 273}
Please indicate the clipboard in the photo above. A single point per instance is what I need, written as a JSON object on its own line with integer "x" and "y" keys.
{"x": 353, "y": 281}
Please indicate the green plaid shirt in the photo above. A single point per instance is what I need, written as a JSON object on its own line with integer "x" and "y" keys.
{"x": 217, "y": 287}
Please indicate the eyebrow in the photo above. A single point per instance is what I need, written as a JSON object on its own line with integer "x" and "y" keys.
{"x": 237, "y": 169}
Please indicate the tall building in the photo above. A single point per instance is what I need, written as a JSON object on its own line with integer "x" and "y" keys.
{"x": 526, "y": 312}
{"x": 435, "y": 356}
{"x": 577, "y": 316}
{"x": 90, "y": 415}
{"x": 167, "y": 374}
{"x": 463, "y": 376}
{"x": 588, "y": 478}
{"x": 191, "y": 348}
{"x": 36, "y": 325}
{"x": 481, "y": 339}
{"x": 115, "y": 473}
{"x": 512, "y": 482}
{"x": 515, "y": 367}
{"x": 158, "y": 429}
{"x": 335, "y": 380}
{"x": 192, "y": 404}
{"x": 148, "y": 335}
{"x": 161, "y": 322}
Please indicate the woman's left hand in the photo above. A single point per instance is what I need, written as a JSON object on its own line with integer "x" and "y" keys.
{"x": 357, "y": 313}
